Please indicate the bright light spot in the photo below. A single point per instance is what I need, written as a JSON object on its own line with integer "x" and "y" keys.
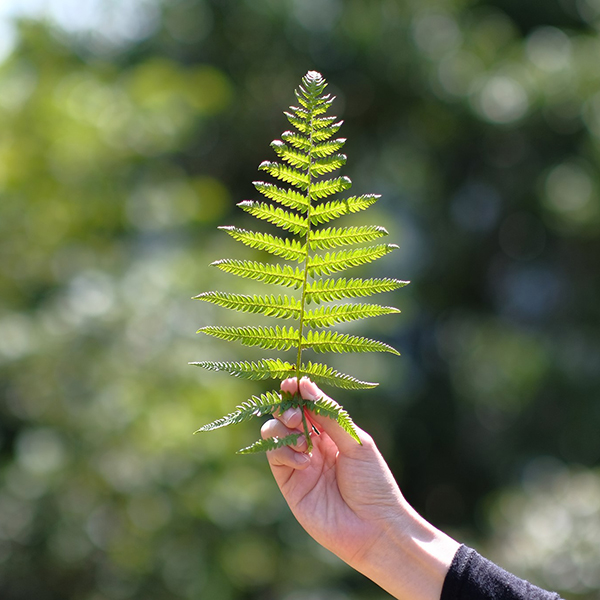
{"x": 568, "y": 188}
{"x": 40, "y": 450}
{"x": 502, "y": 100}
{"x": 457, "y": 71}
{"x": 16, "y": 336}
{"x": 436, "y": 34}
{"x": 317, "y": 15}
{"x": 549, "y": 49}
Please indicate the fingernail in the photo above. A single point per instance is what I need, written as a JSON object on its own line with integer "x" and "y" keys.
{"x": 287, "y": 416}
{"x": 301, "y": 459}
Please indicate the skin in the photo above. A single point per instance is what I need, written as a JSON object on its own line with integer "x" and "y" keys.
{"x": 346, "y": 498}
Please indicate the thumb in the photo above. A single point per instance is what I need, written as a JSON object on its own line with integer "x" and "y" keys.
{"x": 342, "y": 439}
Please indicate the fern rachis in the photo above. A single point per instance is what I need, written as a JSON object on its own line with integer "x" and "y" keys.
{"x": 301, "y": 211}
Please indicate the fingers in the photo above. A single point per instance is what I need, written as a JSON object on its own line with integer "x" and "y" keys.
{"x": 310, "y": 391}
{"x": 288, "y": 456}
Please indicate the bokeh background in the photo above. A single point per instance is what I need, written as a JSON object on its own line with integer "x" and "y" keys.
{"x": 128, "y": 132}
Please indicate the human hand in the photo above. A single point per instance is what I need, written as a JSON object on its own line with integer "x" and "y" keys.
{"x": 345, "y": 496}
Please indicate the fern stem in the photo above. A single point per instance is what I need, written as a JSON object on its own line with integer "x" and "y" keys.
{"x": 305, "y": 282}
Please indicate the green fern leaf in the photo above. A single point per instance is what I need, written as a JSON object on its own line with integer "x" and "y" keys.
{"x": 270, "y": 368}
{"x": 321, "y": 166}
{"x": 277, "y": 274}
{"x": 328, "y": 187}
{"x": 297, "y": 140}
{"x": 342, "y": 236}
{"x": 257, "y": 406}
{"x": 270, "y": 338}
{"x": 271, "y": 444}
{"x": 346, "y": 259}
{"x": 327, "y": 132}
{"x": 295, "y": 159}
{"x": 333, "y": 209}
{"x": 327, "y": 148}
{"x": 282, "y": 218}
{"x": 321, "y": 373}
{"x": 284, "y": 173}
{"x": 332, "y": 341}
{"x": 280, "y": 307}
{"x": 260, "y": 370}
{"x": 325, "y": 316}
{"x": 290, "y": 198}
{"x": 288, "y": 249}
{"x": 307, "y": 156}
{"x": 330, "y": 409}
{"x": 326, "y": 290}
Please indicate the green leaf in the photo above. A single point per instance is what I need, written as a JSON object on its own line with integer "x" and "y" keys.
{"x": 276, "y": 274}
{"x": 279, "y": 338}
{"x": 324, "y": 374}
{"x": 325, "y": 316}
{"x": 321, "y": 166}
{"x": 282, "y": 218}
{"x": 332, "y": 341}
{"x": 346, "y": 259}
{"x": 339, "y": 208}
{"x": 332, "y": 410}
{"x": 343, "y": 236}
{"x": 257, "y": 406}
{"x": 328, "y": 187}
{"x": 284, "y": 173}
{"x": 299, "y": 141}
{"x": 286, "y": 248}
{"x": 271, "y": 444}
{"x": 270, "y": 368}
{"x": 327, "y": 132}
{"x": 281, "y": 307}
{"x": 300, "y": 160}
{"x": 325, "y": 290}
{"x": 290, "y": 198}
{"x": 327, "y": 148}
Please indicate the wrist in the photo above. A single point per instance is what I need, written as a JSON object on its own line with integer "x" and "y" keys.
{"x": 410, "y": 558}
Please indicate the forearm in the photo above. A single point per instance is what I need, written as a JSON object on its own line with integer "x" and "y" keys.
{"x": 409, "y": 559}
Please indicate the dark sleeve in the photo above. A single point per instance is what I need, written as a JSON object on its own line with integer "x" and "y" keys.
{"x": 472, "y": 577}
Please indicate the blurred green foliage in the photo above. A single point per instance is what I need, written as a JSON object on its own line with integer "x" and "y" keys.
{"x": 127, "y": 139}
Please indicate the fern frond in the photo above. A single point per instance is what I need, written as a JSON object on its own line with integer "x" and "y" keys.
{"x": 270, "y": 368}
{"x": 346, "y": 259}
{"x": 330, "y": 409}
{"x": 322, "y": 213}
{"x": 286, "y": 248}
{"x": 306, "y": 156}
{"x": 257, "y": 406}
{"x": 327, "y": 148}
{"x": 324, "y": 134}
{"x": 332, "y": 341}
{"x": 267, "y": 368}
{"x": 326, "y": 290}
{"x": 321, "y": 166}
{"x": 284, "y": 173}
{"x": 325, "y": 316}
{"x": 300, "y": 160}
{"x": 290, "y": 198}
{"x": 280, "y": 307}
{"x": 299, "y": 141}
{"x": 270, "y": 338}
{"x": 320, "y": 373}
{"x": 331, "y": 237}
{"x": 276, "y": 274}
{"x": 271, "y": 444}
{"x": 279, "y": 217}
{"x": 328, "y": 187}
